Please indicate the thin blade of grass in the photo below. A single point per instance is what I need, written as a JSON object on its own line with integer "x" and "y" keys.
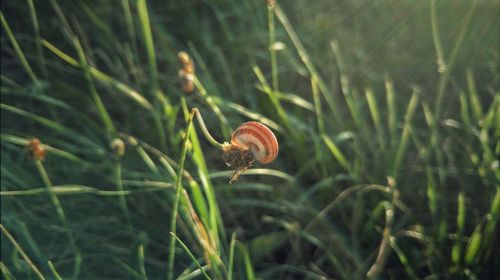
{"x": 272, "y": 51}
{"x": 21, "y": 251}
{"x": 224, "y": 124}
{"x": 456, "y": 251}
{"x": 374, "y": 111}
{"x": 441, "y": 63}
{"x": 36, "y": 30}
{"x": 391, "y": 109}
{"x": 195, "y": 261}
{"x": 18, "y": 50}
{"x": 473, "y": 246}
{"x": 24, "y": 142}
{"x": 178, "y": 190}
{"x": 71, "y": 134}
{"x": 102, "y": 77}
{"x": 247, "y": 261}
{"x": 231, "y": 256}
{"x": 57, "y": 276}
{"x": 405, "y": 135}
{"x": 142, "y": 11}
{"x": 402, "y": 258}
{"x": 106, "y": 119}
{"x": 327, "y": 94}
{"x": 71, "y": 189}
{"x": 215, "y": 226}
{"x": 334, "y": 149}
{"x": 444, "y": 77}
{"x": 475, "y": 103}
{"x": 255, "y": 171}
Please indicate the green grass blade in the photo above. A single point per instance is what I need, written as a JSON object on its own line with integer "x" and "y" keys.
{"x": 57, "y": 276}
{"x": 224, "y": 124}
{"x": 140, "y": 259}
{"x": 457, "y": 247}
{"x": 53, "y": 125}
{"x": 6, "y": 272}
{"x": 491, "y": 223}
{"x": 304, "y": 56}
{"x": 473, "y": 246}
{"x": 214, "y": 219}
{"x": 249, "y": 113}
{"x": 24, "y": 142}
{"x": 21, "y": 251}
{"x": 231, "y": 256}
{"x": 195, "y": 261}
{"x": 336, "y": 152}
{"x": 178, "y": 190}
{"x": 102, "y": 77}
{"x": 71, "y": 189}
{"x": 142, "y": 11}
{"x": 38, "y": 40}
{"x": 405, "y": 135}
{"x": 274, "y": 100}
{"x": 402, "y": 258}
{"x": 464, "y": 110}
{"x": 154, "y": 88}
{"x": 272, "y": 50}
{"x": 475, "y": 103}
{"x": 374, "y": 111}
{"x": 441, "y": 63}
{"x": 119, "y": 188}
{"x": 391, "y": 109}
{"x": 18, "y": 50}
{"x": 130, "y": 25}
{"x": 148, "y": 161}
{"x": 348, "y": 93}
{"x": 247, "y": 261}
{"x": 443, "y": 81}
{"x": 317, "y": 107}
{"x": 106, "y": 119}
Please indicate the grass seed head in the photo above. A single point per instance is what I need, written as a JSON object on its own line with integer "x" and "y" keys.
{"x": 35, "y": 149}
{"x": 118, "y": 147}
{"x": 186, "y": 73}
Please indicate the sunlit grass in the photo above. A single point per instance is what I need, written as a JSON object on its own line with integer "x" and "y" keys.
{"x": 387, "y": 118}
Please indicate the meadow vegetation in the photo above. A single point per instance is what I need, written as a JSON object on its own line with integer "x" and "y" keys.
{"x": 387, "y": 115}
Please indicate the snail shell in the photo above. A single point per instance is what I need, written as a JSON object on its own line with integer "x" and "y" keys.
{"x": 259, "y": 139}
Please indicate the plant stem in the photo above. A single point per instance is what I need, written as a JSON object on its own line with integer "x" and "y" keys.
{"x": 60, "y": 213}
{"x": 21, "y": 251}
{"x": 204, "y": 129}
{"x": 272, "y": 40}
{"x": 178, "y": 188}
{"x": 119, "y": 187}
{"x": 213, "y": 105}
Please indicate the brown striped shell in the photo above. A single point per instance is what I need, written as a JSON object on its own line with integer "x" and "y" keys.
{"x": 259, "y": 139}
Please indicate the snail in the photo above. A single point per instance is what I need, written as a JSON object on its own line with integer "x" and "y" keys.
{"x": 259, "y": 138}
{"x": 251, "y": 141}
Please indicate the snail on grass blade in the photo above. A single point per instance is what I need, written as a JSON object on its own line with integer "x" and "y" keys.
{"x": 251, "y": 141}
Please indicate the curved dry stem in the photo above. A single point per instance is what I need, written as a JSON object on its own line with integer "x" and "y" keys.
{"x": 205, "y": 131}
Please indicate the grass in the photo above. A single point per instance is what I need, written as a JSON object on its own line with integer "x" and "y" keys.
{"x": 387, "y": 116}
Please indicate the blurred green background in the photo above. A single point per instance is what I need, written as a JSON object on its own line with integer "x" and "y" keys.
{"x": 387, "y": 115}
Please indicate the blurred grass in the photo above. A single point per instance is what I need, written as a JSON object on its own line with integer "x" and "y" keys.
{"x": 387, "y": 114}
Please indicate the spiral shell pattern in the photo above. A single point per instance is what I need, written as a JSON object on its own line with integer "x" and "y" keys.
{"x": 259, "y": 139}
